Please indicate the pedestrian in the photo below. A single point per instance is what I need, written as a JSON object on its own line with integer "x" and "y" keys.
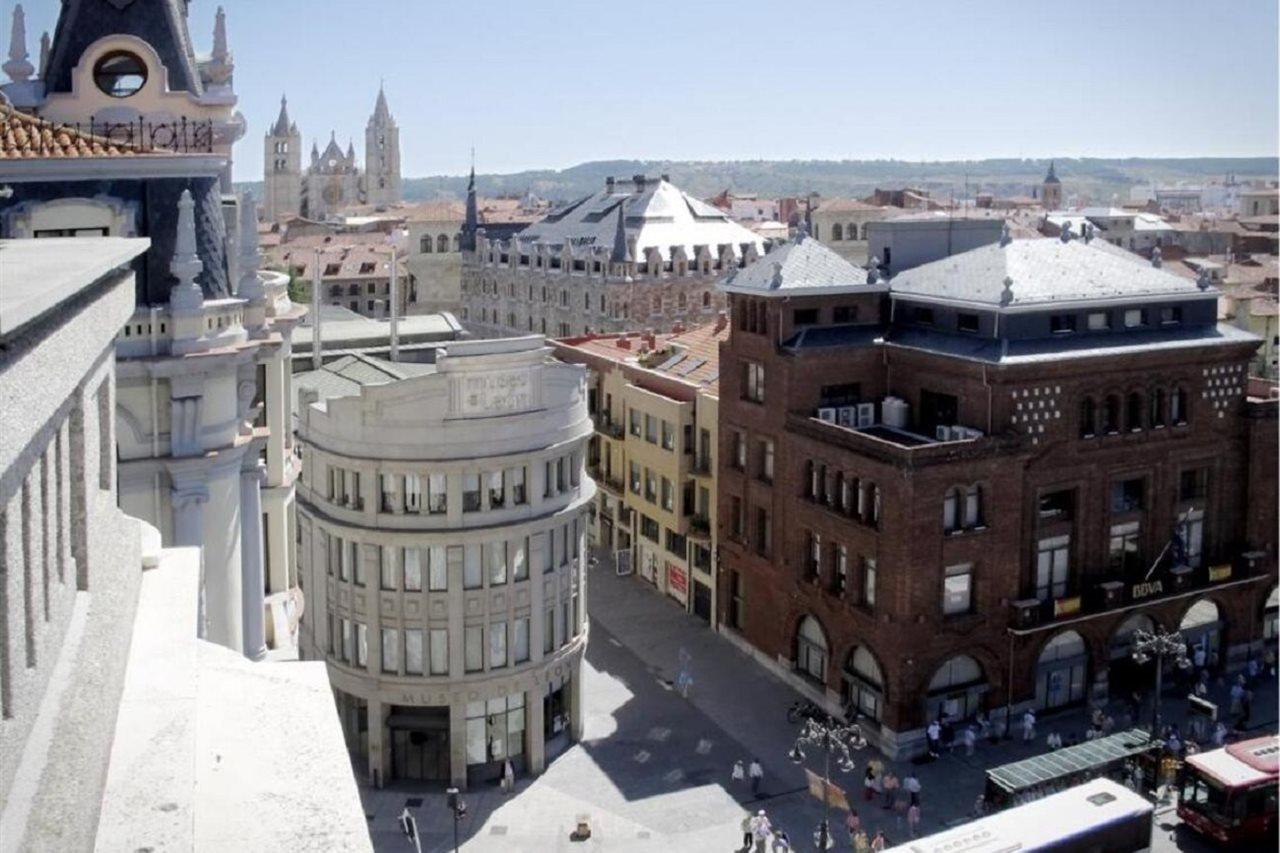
{"x": 1108, "y": 724}
{"x": 869, "y": 784}
{"x": 748, "y": 836}
{"x": 970, "y": 739}
{"x": 739, "y": 774}
{"x": 1053, "y": 741}
{"x": 1253, "y": 668}
{"x": 508, "y": 777}
{"x": 879, "y": 842}
{"x": 912, "y": 786}
{"x": 984, "y": 724}
{"x": 781, "y": 842}
{"x": 1220, "y": 734}
{"x": 934, "y": 735}
{"x": 1246, "y": 707}
{"x": 913, "y": 819}
{"x": 1199, "y": 657}
{"x": 1028, "y": 726}
{"x": 948, "y": 734}
{"x": 761, "y": 829}
{"x": 1174, "y": 744}
{"x": 861, "y": 844}
{"x": 1269, "y": 661}
{"x": 979, "y": 806}
{"x": 890, "y": 786}
{"x": 852, "y": 823}
{"x": 756, "y": 772}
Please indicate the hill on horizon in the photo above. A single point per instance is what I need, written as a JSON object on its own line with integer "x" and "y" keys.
{"x": 1098, "y": 179}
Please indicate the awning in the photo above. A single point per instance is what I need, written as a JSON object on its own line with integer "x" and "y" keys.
{"x": 1083, "y": 757}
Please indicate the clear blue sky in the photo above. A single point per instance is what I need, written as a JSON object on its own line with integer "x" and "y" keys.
{"x": 551, "y": 84}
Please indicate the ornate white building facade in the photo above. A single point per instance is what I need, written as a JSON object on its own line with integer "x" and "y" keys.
{"x": 443, "y": 528}
{"x": 134, "y": 140}
{"x": 333, "y": 179}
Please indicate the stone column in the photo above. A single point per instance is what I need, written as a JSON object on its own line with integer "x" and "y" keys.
{"x": 253, "y": 582}
{"x": 188, "y": 514}
{"x": 277, "y": 418}
{"x": 535, "y": 746}
{"x": 377, "y": 742}
{"x": 575, "y": 700}
{"x": 458, "y": 741}
{"x": 537, "y": 598}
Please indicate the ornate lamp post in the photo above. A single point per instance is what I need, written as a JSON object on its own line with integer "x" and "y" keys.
{"x": 1157, "y": 646}
{"x": 835, "y": 739}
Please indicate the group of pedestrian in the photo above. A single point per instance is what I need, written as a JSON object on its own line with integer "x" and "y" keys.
{"x": 862, "y": 843}
{"x": 760, "y": 836}
{"x": 754, "y": 772}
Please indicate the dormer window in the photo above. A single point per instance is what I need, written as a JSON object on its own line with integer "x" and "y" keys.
{"x": 1062, "y": 324}
{"x": 1135, "y": 318}
{"x": 923, "y": 316}
{"x": 1099, "y": 321}
{"x": 1170, "y": 315}
{"x": 967, "y": 322}
{"x": 120, "y": 74}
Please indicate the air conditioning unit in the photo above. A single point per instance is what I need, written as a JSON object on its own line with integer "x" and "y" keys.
{"x": 1026, "y": 613}
{"x": 848, "y": 416}
{"x": 943, "y": 433}
{"x": 866, "y": 414}
{"x": 827, "y": 414}
{"x": 894, "y": 411}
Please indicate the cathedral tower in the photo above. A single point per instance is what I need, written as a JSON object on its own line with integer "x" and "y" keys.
{"x": 282, "y": 168}
{"x": 1052, "y": 190}
{"x": 382, "y": 156}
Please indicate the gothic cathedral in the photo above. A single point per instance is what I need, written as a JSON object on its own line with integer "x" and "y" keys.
{"x": 333, "y": 180}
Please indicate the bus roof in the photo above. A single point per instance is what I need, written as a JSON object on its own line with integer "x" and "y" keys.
{"x": 1240, "y": 765}
{"x": 1039, "y": 825}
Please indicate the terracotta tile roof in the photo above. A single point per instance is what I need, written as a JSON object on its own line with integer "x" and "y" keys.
{"x": 342, "y": 260}
{"x": 25, "y": 137}
{"x": 842, "y": 205}
{"x": 691, "y": 357}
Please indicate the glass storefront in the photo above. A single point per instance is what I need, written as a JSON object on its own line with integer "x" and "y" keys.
{"x": 495, "y": 733}
{"x": 1061, "y": 671}
{"x": 419, "y": 743}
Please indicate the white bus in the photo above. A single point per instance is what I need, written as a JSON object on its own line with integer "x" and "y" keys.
{"x": 1100, "y": 816}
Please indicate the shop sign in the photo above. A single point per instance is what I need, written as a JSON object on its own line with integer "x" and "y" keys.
{"x": 495, "y": 393}
{"x": 1066, "y": 606}
{"x": 1220, "y": 573}
{"x": 1146, "y": 589}
{"x": 677, "y": 581}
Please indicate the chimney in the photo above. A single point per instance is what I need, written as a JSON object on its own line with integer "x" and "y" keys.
{"x": 666, "y": 177}
{"x": 722, "y": 320}
{"x": 638, "y": 180}
{"x": 608, "y": 184}
{"x": 624, "y": 342}
{"x": 677, "y": 328}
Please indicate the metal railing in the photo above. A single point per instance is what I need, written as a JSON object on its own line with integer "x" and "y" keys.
{"x": 180, "y": 136}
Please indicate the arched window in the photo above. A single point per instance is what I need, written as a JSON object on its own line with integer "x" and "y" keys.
{"x": 457, "y": 242}
{"x": 442, "y": 243}
{"x": 706, "y": 298}
{"x": 1159, "y": 403}
{"x": 1201, "y": 627}
{"x": 851, "y": 231}
{"x": 682, "y": 301}
{"x": 1133, "y": 412}
{"x": 424, "y": 245}
{"x": 1178, "y": 407}
{"x": 1121, "y": 645}
{"x": 958, "y": 671}
{"x": 955, "y": 691}
{"x": 811, "y": 650}
{"x": 951, "y": 510}
{"x": 863, "y": 684}
{"x": 1088, "y": 418}
{"x": 837, "y": 232}
{"x": 973, "y": 506}
{"x": 1203, "y": 612}
{"x": 815, "y": 232}
{"x": 1111, "y": 414}
{"x": 1060, "y": 671}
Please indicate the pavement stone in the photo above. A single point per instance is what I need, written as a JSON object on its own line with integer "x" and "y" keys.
{"x": 653, "y": 769}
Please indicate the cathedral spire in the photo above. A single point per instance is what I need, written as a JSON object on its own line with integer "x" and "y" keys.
{"x": 282, "y": 125}
{"x": 44, "y": 53}
{"x": 381, "y": 112}
{"x": 472, "y": 222}
{"x": 18, "y": 67}
{"x": 621, "y": 253}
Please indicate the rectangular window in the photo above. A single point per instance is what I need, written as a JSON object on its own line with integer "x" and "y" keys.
{"x": 497, "y": 563}
{"x": 1192, "y": 533}
{"x": 470, "y": 492}
{"x": 1098, "y": 321}
{"x": 1057, "y": 505}
{"x": 1135, "y": 318}
{"x": 635, "y": 478}
{"x": 668, "y": 436}
{"x": 957, "y": 589}
{"x": 868, "y": 582}
{"x": 966, "y": 322}
{"x": 649, "y": 528}
{"x": 344, "y": 565}
{"x": 347, "y": 647}
{"x": 560, "y": 475}
{"x": 753, "y": 381}
{"x": 736, "y": 521}
{"x": 840, "y": 573}
{"x": 413, "y": 651}
{"x": 549, "y": 631}
{"x": 474, "y": 648}
{"x": 766, "y": 460}
{"x": 386, "y": 568}
{"x": 844, "y": 314}
{"x": 519, "y": 495}
{"x": 520, "y": 639}
{"x": 813, "y": 555}
{"x": 668, "y": 496}
{"x": 1124, "y": 549}
{"x": 950, "y": 510}
{"x": 633, "y": 420}
{"x": 764, "y": 533}
{"x": 412, "y": 569}
{"x": 739, "y": 451}
{"x": 1170, "y": 315}
{"x": 923, "y": 316}
{"x": 390, "y": 650}
{"x": 1126, "y": 495}
{"x": 520, "y": 559}
{"x": 437, "y": 569}
{"x": 437, "y": 497}
{"x": 386, "y": 486}
{"x": 804, "y": 317}
{"x": 650, "y": 429}
{"x": 357, "y": 561}
{"x": 564, "y": 623}
{"x": 439, "y": 651}
{"x": 1193, "y": 484}
{"x": 1053, "y": 560}
{"x": 498, "y": 645}
{"x": 1061, "y": 324}
{"x": 497, "y": 490}
{"x": 362, "y": 644}
{"x": 650, "y": 486}
{"x": 472, "y": 569}
{"x": 577, "y": 615}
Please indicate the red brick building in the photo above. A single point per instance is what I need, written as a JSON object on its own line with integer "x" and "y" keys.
{"x": 958, "y": 491}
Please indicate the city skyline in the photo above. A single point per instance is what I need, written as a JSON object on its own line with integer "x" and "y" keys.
{"x": 585, "y": 83}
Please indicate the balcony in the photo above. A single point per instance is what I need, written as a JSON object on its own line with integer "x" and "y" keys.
{"x": 606, "y": 426}
{"x": 699, "y": 527}
{"x": 702, "y": 467}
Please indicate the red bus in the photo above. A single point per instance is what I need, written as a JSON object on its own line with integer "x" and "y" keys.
{"x": 1229, "y": 794}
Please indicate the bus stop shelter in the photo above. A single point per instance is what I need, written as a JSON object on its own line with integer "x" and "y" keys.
{"x": 1070, "y": 765}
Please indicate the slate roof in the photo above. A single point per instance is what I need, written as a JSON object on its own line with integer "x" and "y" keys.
{"x": 657, "y": 215}
{"x": 1042, "y": 272}
{"x": 800, "y": 267}
{"x": 25, "y": 137}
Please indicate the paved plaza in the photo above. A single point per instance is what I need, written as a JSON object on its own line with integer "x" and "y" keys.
{"x": 653, "y": 770}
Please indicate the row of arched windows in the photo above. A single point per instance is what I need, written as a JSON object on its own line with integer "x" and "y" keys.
{"x": 439, "y": 244}
{"x": 852, "y": 496}
{"x": 1133, "y": 412}
{"x": 847, "y": 232}
{"x": 962, "y": 508}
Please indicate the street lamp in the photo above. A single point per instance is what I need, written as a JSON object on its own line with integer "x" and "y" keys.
{"x": 835, "y": 739}
{"x": 459, "y": 809}
{"x": 1157, "y": 646}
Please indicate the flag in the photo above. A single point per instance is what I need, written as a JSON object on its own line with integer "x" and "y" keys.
{"x": 835, "y": 795}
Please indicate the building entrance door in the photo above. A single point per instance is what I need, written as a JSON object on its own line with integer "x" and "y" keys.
{"x": 419, "y": 743}
{"x": 702, "y": 601}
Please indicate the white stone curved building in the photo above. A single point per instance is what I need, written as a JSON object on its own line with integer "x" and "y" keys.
{"x": 443, "y": 523}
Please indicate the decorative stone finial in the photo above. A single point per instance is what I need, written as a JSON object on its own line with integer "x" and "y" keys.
{"x": 1066, "y": 231}
{"x": 1202, "y": 280}
{"x": 1088, "y": 231}
{"x": 775, "y": 282}
{"x": 185, "y": 295}
{"x": 1156, "y": 259}
{"x": 1006, "y": 236}
{"x": 44, "y": 52}
{"x": 219, "y": 70}
{"x": 873, "y": 270}
{"x": 250, "y": 257}
{"x": 18, "y": 68}
{"x": 1006, "y": 295}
